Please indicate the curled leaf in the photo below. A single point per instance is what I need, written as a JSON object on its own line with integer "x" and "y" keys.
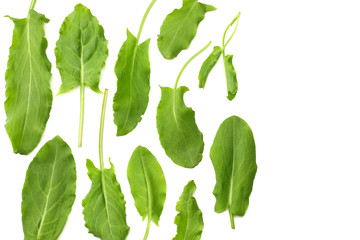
{"x": 208, "y": 65}
{"x": 231, "y": 81}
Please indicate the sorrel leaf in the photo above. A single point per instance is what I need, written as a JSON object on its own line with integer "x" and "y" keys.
{"x": 148, "y": 185}
{"x": 81, "y": 52}
{"x": 234, "y": 161}
{"x": 49, "y": 191}
{"x": 179, "y": 27}
{"x": 179, "y": 135}
{"x": 104, "y": 205}
{"x": 132, "y": 70}
{"x": 230, "y": 73}
{"x": 28, "y": 94}
{"x": 208, "y": 65}
{"x": 189, "y": 220}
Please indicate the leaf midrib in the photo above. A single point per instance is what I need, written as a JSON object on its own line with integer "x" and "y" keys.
{"x": 233, "y": 165}
{"x": 106, "y": 200}
{"x": 147, "y": 186}
{"x": 188, "y": 215}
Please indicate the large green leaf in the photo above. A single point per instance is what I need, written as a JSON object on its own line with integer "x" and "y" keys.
{"x": 233, "y": 158}
{"x": 208, "y": 65}
{"x": 28, "y": 94}
{"x": 49, "y": 191}
{"x": 178, "y": 132}
{"x": 147, "y": 183}
{"x": 230, "y": 73}
{"x": 81, "y": 52}
{"x": 189, "y": 220}
{"x": 104, "y": 205}
{"x": 179, "y": 27}
{"x": 133, "y": 73}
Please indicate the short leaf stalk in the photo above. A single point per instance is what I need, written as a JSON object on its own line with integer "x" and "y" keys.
{"x": 187, "y": 63}
{"x": 82, "y": 110}
{"x": 147, "y": 228}
{"x": 101, "y": 132}
{"x": 32, "y": 5}
{"x": 143, "y": 21}
{"x": 236, "y": 19}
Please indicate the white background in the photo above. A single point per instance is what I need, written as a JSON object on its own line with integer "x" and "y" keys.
{"x": 298, "y": 68}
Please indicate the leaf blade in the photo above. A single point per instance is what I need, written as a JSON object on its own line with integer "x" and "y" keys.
{"x": 49, "y": 191}
{"x": 230, "y": 73}
{"x": 208, "y": 65}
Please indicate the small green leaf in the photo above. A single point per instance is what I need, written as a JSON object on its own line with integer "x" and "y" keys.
{"x": 28, "y": 93}
{"x": 208, "y": 65}
{"x": 133, "y": 86}
{"x": 147, "y": 183}
{"x": 179, "y": 27}
{"x": 234, "y": 161}
{"x": 104, "y": 205}
{"x": 178, "y": 132}
{"x": 231, "y": 81}
{"x": 189, "y": 220}
{"x": 49, "y": 191}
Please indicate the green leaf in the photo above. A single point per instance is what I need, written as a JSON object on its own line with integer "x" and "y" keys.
{"x": 147, "y": 183}
{"x": 231, "y": 81}
{"x": 178, "y": 132}
{"x": 133, "y": 86}
{"x": 81, "y": 52}
{"x": 189, "y": 220}
{"x": 179, "y": 27}
{"x": 104, "y": 205}
{"x": 208, "y": 65}
{"x": 233, "y": 158}
{"x": 28, "y": 94}
{"x": 49, "y": 191}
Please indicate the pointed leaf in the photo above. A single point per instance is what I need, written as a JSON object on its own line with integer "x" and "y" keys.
{"x": 133, "y": 86}
{"x": 231, "y": 81}
{"x": 104, "y": 205}
{"x": 49, "y": 191}
{"x": 178, "y": 132}
{"x": 208, "y": 65}
{"x": 233, "y": 158}
{"x": 147, "y": 183}
{"x": 28, "y": 94}
{"x": 179, "y": 27}
{"x": 189, "y": 220}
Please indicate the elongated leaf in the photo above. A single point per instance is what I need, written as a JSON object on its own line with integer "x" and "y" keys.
{"x": 231, "y": 81}
{"x": 148, "y": 185}
{"x": 104, "y": 205}
{"x": 189, "y": 220}
{"x": 178, "y": 132}
{"x": 179, "y": 27}
{"x": 233, "y": 158}
{"x": 81, "y": 50}
{"x": 28, "y": 94}
{"x": 208, "y": 65}
{"x": 133, "y": 73}
{"x": 49, "y": 191}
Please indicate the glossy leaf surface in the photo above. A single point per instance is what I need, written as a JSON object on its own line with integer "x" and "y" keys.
{"x": 81, "y": 50}
{"x": 231, "y": 81}
{"x": 178, "y": 132}
{"x": 133, "y": 73}
{"x": 179, "y": 27}
{"x": 189, "y": 220}
{"x": 208, "y": 65}
{"x": 28, "y": 94}
{"x": 49, "y": 191}
{"x": 234, "y": 161}
{"x": 104, "y": 205}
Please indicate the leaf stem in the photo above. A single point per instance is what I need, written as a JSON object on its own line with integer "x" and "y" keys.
{"x": 187, "y": 63}
{"x": 227, "y": 28}
{"x": 144, "y": 19}
{"x": 101, "y": 133}
{"x": 32, "y": 5}
{"x": 147, "y": 228}
{"x": 232, "y": 220}
{"x": 82, "y": 110}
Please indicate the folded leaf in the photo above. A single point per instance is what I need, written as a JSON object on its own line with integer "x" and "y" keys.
{"x": 104, "y": 205}
{"x": 233, "y": 158}
{"x": 81, "y": 52}
{"x": 49, "y": 191}
{"x": 231, "y": 81}
{"x": 28, "y": 94}
{"x": 133, "y": 86}
{"x": 189, "y": 220}
{"x": 208, "y": 65}
{"x": 178, "y": 132}
{"x": 147, "y": 183}
{"x": 179, "y": 27}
